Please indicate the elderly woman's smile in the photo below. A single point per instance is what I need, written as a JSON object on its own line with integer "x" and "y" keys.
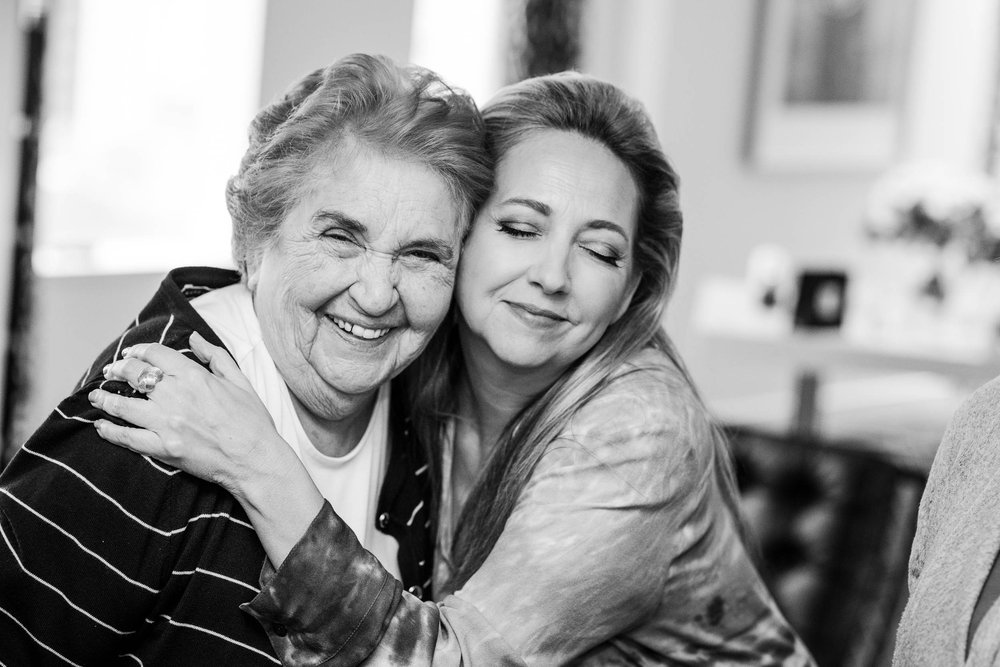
{"x": 359, "y": 331}
{"x": 357, "y": 278}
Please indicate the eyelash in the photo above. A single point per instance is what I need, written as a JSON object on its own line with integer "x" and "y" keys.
{"x": 508, "y": 228}
{"x": 425, "y": 255}
{"x": 613, "y": 259}
{"x": 341, "y": 237}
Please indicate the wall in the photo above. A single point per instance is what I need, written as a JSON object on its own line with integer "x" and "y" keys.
{"x": 301, "y": 35}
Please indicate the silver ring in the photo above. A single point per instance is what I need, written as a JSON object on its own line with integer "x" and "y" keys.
{"x": 148, "y": 378}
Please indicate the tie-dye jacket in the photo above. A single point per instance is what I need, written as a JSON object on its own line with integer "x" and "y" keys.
{"x": 620, "y": 551}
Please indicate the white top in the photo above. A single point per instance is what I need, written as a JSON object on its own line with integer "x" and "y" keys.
{"x": 352, "y": 482}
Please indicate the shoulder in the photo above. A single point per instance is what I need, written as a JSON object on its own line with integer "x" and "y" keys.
{"x": 970, "y": 443}
{"x": 646, "y": 393}
{"x": 646, "y": 424}
{"x": 972, "y": 433}
{"x": 978, "y": 418}
{"x": 168, "y": 318}
{"x": 67, "y": 440}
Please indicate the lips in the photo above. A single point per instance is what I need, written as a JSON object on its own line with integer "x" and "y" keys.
{"x": 359, "y": 331}
{"x": 536, "y": 312}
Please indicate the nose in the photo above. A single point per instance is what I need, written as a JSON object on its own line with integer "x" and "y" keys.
{"x": 550, "y": 269}
{"x": 374, "y": 290}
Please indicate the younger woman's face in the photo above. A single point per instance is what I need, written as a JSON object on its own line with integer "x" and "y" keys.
{"x": 547, "y": 266}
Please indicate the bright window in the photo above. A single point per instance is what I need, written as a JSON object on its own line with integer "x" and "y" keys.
{"x": 145, "y": 113}
{"x": 462, "y": 41}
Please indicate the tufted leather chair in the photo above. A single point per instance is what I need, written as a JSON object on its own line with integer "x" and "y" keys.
{"x": 833, "y": 524}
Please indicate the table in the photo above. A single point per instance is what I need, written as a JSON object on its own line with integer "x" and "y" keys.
{"x": 727, "y": 313}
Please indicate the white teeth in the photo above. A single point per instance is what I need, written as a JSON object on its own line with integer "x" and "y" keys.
{"x": 360, "y": 331}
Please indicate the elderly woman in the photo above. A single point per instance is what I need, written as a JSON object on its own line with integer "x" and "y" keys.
{"x": 586, "y": 508}
{"x": 348, "y": 213}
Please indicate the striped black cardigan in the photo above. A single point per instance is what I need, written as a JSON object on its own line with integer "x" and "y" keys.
{"x": 108, "y": 557}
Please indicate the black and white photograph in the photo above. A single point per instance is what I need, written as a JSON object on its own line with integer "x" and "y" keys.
{"x": 500, "y": 332}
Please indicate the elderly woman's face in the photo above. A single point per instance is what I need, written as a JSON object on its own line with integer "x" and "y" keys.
{"x": 547, "y": 267}
{"x": 359, "y": 276}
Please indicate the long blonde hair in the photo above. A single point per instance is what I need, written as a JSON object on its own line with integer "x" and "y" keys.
{"x": 598, "y": 110}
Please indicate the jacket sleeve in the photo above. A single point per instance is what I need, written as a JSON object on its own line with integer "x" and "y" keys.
{"x": 584, "y": 557}
{"x": 81, "y": 558}
{"x": 976, "y": 421}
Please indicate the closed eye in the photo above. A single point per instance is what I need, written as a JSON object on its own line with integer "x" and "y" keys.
{"x": 518, "y": 230}
{"x": 429, "y": 251}
{"x": 424, "y": 255}
{"x": 343, "y": 237}
{"x": 609, "y": 257}
{"x": 337, "y": 226}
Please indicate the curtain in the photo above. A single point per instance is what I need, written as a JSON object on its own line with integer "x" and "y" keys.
{"x": 544, "y": 37}
{"x": 19, "y": 313}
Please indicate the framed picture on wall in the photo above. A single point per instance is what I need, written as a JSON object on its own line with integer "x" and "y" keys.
{"x": 828, "y": 83}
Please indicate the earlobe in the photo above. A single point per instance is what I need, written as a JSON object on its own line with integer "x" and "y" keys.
{"x": 251, "y": 271}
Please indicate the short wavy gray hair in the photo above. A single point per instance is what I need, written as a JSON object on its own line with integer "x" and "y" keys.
{"x": 400, "y": 110}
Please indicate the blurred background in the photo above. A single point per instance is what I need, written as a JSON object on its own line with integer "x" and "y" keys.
{"x": 806, "y": 134}
{"x": 838, "y": 159}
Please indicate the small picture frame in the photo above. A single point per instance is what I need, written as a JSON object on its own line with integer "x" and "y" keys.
{"x": 828, "y": 84}
{"x": 821, "y": 300}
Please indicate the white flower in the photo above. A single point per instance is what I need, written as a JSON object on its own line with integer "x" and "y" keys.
{"x": 948, "y": 196}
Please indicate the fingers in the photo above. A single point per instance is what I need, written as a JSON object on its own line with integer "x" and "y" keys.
{"x": 169, "y": 360}
{"x": 136, "y": 410}
{"x": 201, "y": 347}
{"x": 137, "y": 439}
{"x": 218, "y": 360}
{"x": 174, "y": 363}
{"x": 128, "y": 370}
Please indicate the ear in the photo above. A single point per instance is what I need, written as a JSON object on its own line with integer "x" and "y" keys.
{"x": 251, "y": 270}
{"x": 627, "y": 298}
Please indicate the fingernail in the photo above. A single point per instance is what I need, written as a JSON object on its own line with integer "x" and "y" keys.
{"x": 126, "y": 351}
{"x": 104, "y": 371}
{"x": 92, "y": 396}
{"x": 99, "y": 424}
{"x": 195, "y": 335}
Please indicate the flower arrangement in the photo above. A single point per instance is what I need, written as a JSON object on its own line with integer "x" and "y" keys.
{"x": 932, "y": 272}
{"x": 938, "y": 204}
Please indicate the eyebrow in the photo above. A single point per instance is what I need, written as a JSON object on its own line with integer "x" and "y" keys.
{"x": 443, "y": 249}
{"x": 349, "y": 223}
{"x": 608, "y": 225}
{"x": 545, "y": 209}
{"x": 533, "y": 204}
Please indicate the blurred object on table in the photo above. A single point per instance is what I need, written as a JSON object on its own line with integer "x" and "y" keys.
{"x": 930, "y": 275}
{"x": 770, "y": 276}
{"x": 894, "y": 386}
{"x": 820, "y": 299}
